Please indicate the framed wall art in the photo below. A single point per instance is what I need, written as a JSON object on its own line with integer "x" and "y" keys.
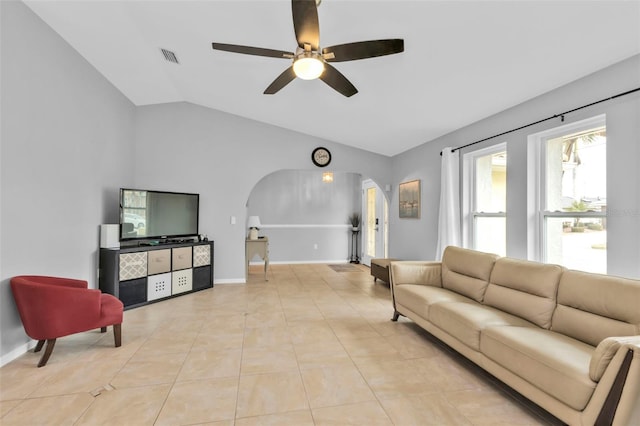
{"x": 409, "y": 196}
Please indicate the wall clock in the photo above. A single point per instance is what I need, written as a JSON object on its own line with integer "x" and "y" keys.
{"x": 321, "y": 157}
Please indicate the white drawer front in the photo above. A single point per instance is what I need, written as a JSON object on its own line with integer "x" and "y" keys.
{"x": 182, "y": 281}
{"x": 159, "y": 286}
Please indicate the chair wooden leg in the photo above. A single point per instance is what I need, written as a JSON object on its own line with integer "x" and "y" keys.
{"x": 47, "y": 352}
{"x": 39, "y": 345}
{"x": 103, "y": 330}
{"x": 117, "y": 334}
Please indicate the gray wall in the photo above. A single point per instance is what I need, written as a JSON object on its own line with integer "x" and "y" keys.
{"x": 304, "y": 217}
{"x": 69, "y": 140}
{"x": 185, "y": 147}
{"x": 416, "y": 239}
{"x": 66, "y": 147}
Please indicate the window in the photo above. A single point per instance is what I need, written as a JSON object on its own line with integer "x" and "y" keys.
{"x": 572, "y": 196}
{"x": 485, "y": 199}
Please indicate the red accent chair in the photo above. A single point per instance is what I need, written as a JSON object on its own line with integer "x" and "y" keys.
{"x": 53, "y": 307}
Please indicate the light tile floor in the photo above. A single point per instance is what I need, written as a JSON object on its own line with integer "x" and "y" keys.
{"x": 309, "y": 347}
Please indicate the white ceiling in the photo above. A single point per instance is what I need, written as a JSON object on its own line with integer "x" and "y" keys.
{"x": 463, "y": 60}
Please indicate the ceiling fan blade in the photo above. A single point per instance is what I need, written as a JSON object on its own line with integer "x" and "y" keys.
{"x": 364, "y": 49}
{"x": 282, "y": 80}
{"x": 305, "y": 23}
{"x": 337, "y": 81}
{"x": 248, "y": 50}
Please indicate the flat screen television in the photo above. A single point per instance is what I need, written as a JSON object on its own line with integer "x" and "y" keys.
{"x": 146, "y": 214}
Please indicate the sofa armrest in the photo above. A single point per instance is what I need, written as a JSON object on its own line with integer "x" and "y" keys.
{"x": 416, "y": 272}
{"x": 606, "y": 350}
{"x": 621, "y": 403}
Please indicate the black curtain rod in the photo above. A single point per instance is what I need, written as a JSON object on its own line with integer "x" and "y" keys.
{"x": 561, "y": 115}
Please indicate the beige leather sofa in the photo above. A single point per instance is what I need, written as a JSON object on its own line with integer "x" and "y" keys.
{"x": 567, "y": 340}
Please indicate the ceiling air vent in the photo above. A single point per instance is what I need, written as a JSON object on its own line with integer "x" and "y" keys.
{"x": 170, "y": 56}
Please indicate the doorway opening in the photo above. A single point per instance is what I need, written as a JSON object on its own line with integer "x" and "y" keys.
{"x": 375, "y": 222}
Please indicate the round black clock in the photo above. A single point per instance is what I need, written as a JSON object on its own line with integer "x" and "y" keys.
{"x": 321, "y": 157}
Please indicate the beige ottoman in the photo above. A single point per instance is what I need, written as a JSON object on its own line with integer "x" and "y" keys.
{"x": 380, "y": 269}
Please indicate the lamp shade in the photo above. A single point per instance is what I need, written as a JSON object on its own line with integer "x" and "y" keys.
{"x": 254, "y": 222}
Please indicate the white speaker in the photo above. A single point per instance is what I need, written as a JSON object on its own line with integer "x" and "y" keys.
{"x": 109, "y": 237}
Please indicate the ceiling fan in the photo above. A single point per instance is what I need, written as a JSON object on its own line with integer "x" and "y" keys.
{"x": 308, "y": 61}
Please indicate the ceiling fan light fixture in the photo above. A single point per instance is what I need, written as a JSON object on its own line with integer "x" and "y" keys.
{"x": 308, "y": 67}
{"x": 309, "y": 60}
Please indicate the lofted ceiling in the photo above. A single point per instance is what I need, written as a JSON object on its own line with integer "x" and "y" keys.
{"x": 463, "y": 60}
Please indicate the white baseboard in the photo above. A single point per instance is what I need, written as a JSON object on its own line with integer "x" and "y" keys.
{"x": 301, "y": 262}
{"x": 230, "y": 281}
{"x": 17, "y": 352}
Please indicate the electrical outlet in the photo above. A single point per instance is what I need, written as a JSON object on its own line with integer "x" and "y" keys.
{"x": 315, "y": 247}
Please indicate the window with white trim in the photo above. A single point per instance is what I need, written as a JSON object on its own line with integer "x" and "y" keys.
{"x": 571, "y": 188}
{"x": 485, "y": 199}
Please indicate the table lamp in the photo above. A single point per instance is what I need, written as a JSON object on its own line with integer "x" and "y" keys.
{"x": 253, "y": 224}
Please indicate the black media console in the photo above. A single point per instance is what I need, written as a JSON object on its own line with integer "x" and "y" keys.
{"x": 142, "y": 274}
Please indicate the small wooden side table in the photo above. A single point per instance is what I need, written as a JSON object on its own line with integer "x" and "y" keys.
{"x": 258, "y": 247}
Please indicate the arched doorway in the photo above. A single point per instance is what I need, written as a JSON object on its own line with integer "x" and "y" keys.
{"x": 306, "y": 217}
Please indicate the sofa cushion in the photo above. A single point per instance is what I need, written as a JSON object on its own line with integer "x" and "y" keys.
{"x": 465, "y": 320}
{"x": 467, "y": 271}
{"x": 554, "y": 363}
{"x": 592, "y": 307}
{"x": 524, "y": 288}
{"x": 419, "y": 298}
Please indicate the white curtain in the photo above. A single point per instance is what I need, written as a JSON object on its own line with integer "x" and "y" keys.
{"x": 449, "y": 218}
